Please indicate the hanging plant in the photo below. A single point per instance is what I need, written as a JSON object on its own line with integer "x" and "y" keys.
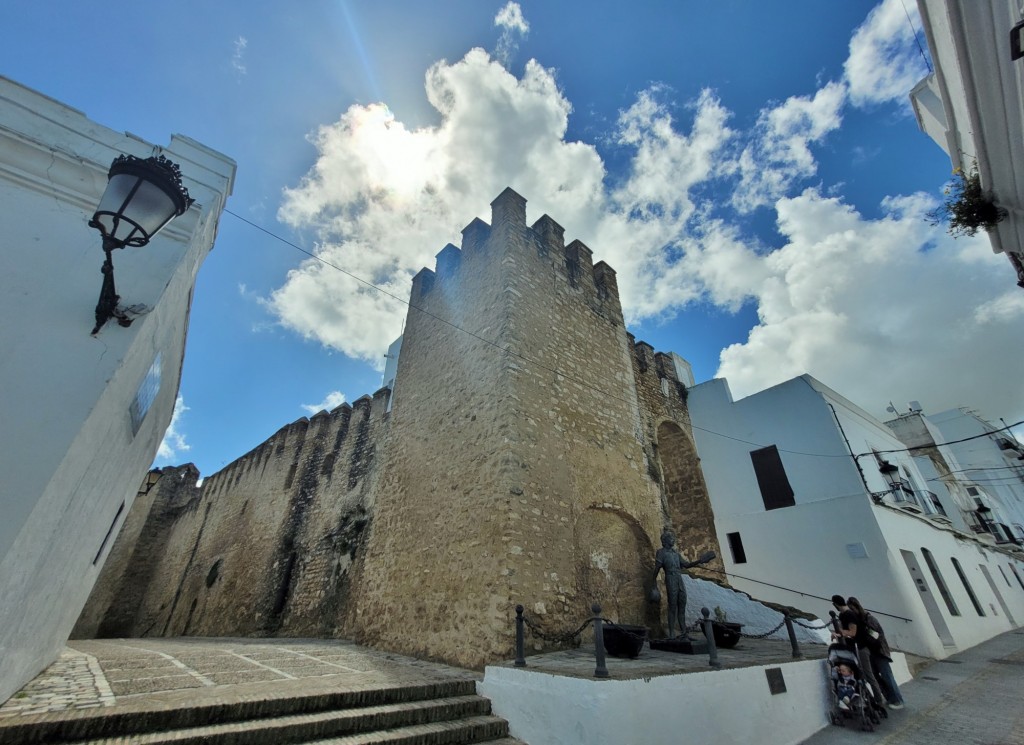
{"x": 967, "y": 206}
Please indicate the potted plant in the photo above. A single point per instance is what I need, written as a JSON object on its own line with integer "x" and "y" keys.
{"x": 967, "y": 206}
{"x": 727, "y": 634}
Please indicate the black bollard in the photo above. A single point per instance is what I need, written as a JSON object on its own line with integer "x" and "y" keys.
{"x": 601, "y": 671}
{"x": 709, "y": 634}
{"x": 792, "y": 637}
{"x": 520, "y": 658}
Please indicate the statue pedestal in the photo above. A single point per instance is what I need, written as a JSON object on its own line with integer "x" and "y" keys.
{"x": 680, "y": 645}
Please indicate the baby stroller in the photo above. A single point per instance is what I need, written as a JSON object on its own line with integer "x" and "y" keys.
{"x": 857, "y": 704}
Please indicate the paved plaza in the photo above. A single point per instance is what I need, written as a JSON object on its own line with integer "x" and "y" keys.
{"x": 144, "y": 673}
{"x": 973, "y": 698}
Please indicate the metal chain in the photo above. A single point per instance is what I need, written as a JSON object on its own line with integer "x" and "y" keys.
{"x": 624, "y": 630}
{"x": 555, "y": 638}
{"x": 765, "y": 634}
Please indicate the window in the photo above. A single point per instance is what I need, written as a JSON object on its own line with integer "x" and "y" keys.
{"x": 972, "y": 490}
{"x": 967, "y": 586}
{"x": 1005, "y": 578}
{"x": 1016, "y": 576}
{"x": 939, "y": 582}
{"x": 145, "y": 396}
{"x": 771, "y": 478}
{"x": 739, "y": 556}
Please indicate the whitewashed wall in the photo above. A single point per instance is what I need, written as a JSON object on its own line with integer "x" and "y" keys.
{"x": 721, "y": 707}
{"x": 832, "y": 540}
{"x": 67, "y": 451}
{"x": 912, "y": 533}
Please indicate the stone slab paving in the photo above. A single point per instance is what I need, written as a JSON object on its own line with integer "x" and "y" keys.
{"x": 166, "y": 672}
{"x": 975, "y": 697}
{"x": 170, "y": 672}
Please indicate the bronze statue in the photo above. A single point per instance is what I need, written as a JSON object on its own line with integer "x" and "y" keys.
{"x": 673, "y": 563}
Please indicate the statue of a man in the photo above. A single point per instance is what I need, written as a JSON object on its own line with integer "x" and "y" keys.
{"x": 673, "y": 563}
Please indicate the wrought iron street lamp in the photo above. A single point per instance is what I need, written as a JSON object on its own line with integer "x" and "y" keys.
{"x": 141, "y": 197}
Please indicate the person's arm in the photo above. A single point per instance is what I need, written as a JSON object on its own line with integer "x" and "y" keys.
{"x": 850, "y": 631}
{"x": 658, "y": 564}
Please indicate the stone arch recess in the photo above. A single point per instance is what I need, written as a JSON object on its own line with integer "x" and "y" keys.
{"x": 615, "y": 564}
{"x": 685, "y": 498}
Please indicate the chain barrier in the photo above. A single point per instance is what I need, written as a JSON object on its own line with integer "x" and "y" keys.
{"x": 765, "y": 634}
{"x": 824, "y": 625}
{"x": 623, "y": 629}
{"x": 555, "y": 638}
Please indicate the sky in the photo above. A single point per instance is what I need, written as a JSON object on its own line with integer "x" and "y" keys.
{"x": 752, "y": 170}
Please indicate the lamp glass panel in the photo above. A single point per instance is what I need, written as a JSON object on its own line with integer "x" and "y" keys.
{"x": 118, "y": 189}
{"x": 151, "y": 208}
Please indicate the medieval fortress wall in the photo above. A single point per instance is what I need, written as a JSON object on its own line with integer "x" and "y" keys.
{"x": 533, "y": 454}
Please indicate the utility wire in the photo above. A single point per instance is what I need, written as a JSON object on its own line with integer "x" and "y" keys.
{"x": 948, "y": 442}
{"x": 541, "y": 365}
{"x": 506, "y": 350}
{"x": 798, "y": 592}
{"x": 916, "y": 39}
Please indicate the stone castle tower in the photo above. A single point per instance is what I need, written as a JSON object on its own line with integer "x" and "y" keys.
{"x": 531, "y": 452}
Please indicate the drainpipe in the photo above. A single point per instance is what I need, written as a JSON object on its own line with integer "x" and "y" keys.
{"x": 856, "y": 462}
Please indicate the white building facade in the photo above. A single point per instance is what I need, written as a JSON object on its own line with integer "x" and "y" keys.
{"x": 972, "y": 105}
{"x": 812, "y": 496}
{"x": 990, "y": 470}
{"x": 81, "y": 416}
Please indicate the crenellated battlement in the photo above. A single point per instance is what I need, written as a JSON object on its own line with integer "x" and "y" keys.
{"x": 575, "y": 261}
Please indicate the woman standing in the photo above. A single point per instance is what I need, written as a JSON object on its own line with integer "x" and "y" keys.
{"x": 854, "y": 628}
{"x": 880, "y": 655}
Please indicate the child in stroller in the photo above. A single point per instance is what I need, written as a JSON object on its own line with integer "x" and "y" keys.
{"x": 851, "y": 695}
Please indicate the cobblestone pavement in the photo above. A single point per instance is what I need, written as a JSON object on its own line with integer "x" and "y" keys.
{"x": 973, "y": 698}
{"x": 111, "y": 672}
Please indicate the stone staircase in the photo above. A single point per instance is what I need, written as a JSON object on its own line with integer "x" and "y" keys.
{"x": 436, "y": 713}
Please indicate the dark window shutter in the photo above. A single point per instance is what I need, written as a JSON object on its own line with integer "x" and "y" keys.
{"x": 739, "y": 556}
{"x": 771, "y": 478}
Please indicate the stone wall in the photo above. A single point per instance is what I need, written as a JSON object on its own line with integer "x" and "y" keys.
{"x": 267, "y": 546}
{"x": 533, "y": 454}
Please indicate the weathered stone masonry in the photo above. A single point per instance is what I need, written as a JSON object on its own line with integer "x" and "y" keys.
{"x": 533, "y": 454}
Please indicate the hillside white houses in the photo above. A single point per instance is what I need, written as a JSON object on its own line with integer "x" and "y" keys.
{"x": 81, "y": 414}
{"x": 813, "y": 496}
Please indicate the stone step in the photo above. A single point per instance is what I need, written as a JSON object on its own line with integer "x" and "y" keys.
{"x": 452, "y": 717}
{"x": 84, "y": 725}
{"x": 482, "y": 729}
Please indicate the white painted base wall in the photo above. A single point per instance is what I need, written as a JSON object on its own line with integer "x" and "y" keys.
{"x": 721, "y": 707}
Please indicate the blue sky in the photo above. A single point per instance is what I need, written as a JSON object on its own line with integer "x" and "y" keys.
{"x": 752, "y": 170}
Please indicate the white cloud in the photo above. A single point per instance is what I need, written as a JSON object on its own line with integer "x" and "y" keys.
{"x": 513, "y": 27}
{"x": 877, "y": 309}
{"x": 174, "y": 444}
{"x": 779, "y": 153}
{"x": 885, "y": 60}
{"x": 238, "y": 56}
{"x": 331, "y": 401}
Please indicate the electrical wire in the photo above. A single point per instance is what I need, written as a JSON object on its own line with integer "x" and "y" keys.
{"x": 552, "y": 370}
{"x": 916, "y": 39}
{"x": 948, "y": 442}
